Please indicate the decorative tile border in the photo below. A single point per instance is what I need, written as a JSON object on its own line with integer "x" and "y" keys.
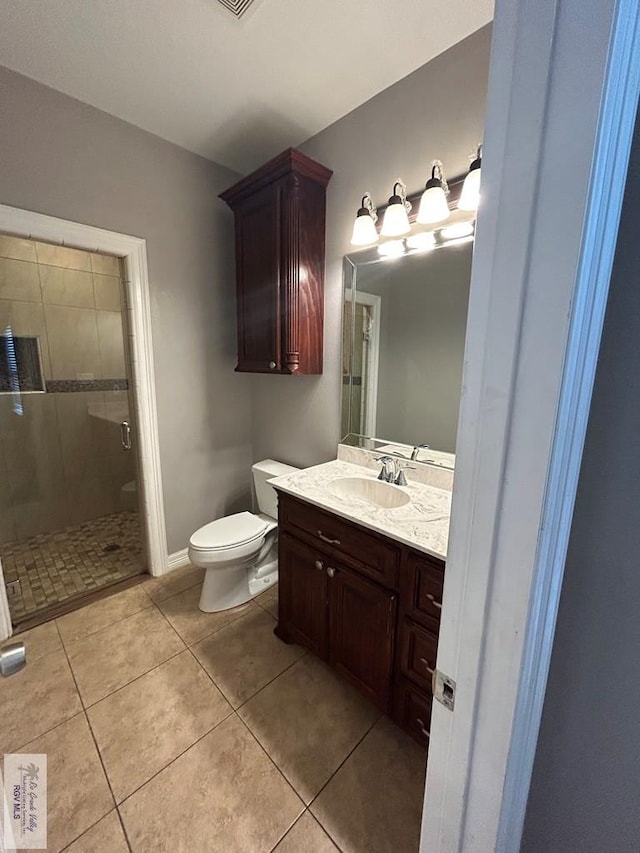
{"x": 70, "y": 386}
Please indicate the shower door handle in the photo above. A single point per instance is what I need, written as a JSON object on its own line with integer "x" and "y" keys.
{"x": 125, "y": 435}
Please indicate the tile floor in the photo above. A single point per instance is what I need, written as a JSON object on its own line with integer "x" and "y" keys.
{"x": 54, "y": 567}
{"x": 168, "y": 729}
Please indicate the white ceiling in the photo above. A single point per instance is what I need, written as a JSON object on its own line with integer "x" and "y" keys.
{"x": 234, "y": 91}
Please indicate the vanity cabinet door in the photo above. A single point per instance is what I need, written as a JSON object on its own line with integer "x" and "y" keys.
{"x": 302, "y": 608}
{"x": 361, "y": 628}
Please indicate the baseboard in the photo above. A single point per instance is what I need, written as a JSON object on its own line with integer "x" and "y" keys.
{"x": 178, "y": 559}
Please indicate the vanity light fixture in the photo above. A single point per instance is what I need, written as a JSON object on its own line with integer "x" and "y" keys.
{"x": 364, "y": 227}
{"x": 470, "y": 195}
{"x": 391, "y": 249}
{"x": 433, "y": 204}
{"x": 457, "y": 230}
{"x": 396, "y": 216}
{"x": 422, "y": 241}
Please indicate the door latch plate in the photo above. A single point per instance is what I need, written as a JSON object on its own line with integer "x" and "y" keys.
{"x": 445, "y": 690}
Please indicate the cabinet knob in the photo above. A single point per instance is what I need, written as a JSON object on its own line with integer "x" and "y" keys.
{"x": 319, "y": 565}
{"x": 272, "y": 365}
{"x": 331, "y": 571}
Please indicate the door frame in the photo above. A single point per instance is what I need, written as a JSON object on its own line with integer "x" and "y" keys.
{"x": 371, "y": 407}
{"x": 133, "y": 251}
{"x": 545, "y": 244}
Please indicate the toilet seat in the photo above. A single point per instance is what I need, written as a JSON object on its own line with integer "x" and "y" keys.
{"x": 232, "y": 531}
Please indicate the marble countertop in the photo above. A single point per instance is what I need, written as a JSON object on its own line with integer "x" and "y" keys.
{"x": 422, "y": 524}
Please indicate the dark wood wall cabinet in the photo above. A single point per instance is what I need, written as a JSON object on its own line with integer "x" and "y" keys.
{"x": 279, "y": 215}
{"x": 367, "y": 605}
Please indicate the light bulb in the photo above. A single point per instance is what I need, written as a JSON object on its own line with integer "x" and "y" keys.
{"x": 396, "y": 219}
{"x": 364, "y": 230}
{"x": 433, "y": 204}
{"x": 457, "y": 230}
{"x": 422, "y": 241}
{"x": 391, "y": 249}
{"x": 470, "y": 195}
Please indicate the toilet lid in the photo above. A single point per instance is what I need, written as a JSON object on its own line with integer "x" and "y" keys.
{"x": 228, "y": 532}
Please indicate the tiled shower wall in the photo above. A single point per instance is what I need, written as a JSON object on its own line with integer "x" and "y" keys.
{"x": 61, "y": 461}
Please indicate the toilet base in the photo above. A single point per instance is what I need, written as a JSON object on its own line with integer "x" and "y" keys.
{"x": 224, "y": 589}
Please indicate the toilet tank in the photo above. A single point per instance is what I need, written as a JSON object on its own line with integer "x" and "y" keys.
{"x": 265, "y": 494}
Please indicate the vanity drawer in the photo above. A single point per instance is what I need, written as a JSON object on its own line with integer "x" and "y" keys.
{"x": 418, "y": 649}
{"x": 413, "y": 711}
{"x": 371, "y": 555}
{"x": 425, "y": 581}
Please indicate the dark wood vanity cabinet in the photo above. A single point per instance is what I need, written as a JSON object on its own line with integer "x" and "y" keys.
{"x": 367, "y": 605}
{"x": 279, "y": 215}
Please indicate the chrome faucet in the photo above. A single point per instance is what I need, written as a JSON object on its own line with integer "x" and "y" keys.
{"x": 392, "y": 471}
{"x": 389, "y": 470}
{"x": 417, "y": 449}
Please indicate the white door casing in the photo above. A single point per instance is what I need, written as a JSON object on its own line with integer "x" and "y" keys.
{"x": 133, "y": 250}
{"x": 563, "y": 93}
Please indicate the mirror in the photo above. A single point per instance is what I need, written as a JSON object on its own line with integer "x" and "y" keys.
{"x": 404, "y": 331}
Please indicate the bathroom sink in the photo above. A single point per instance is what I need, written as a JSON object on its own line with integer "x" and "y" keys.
{"x": 374, "y": 492}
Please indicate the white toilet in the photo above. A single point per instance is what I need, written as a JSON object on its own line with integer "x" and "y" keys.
{"x": 240, "y": 551}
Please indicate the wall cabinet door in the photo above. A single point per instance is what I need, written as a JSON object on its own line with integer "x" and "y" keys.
{"x": 361, "y": 628}
{"x": 258, "y": 281}
{"x": 303, "y": 595}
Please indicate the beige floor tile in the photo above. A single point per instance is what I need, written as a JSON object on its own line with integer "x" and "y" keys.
{"x": 190, "y": 622}
{"x": 306, "y": 836}
{"x": 308, "y": 720}
{"x": 221, "y": 795}
{"x": 94, "y": 617}
{"x": 374, "y": 802}
{"x": 177, "y": 581}
{"x": 166, "y": 711}
{"x": 244, "y": 656}
{"x": 36, "y": 699}
{"x": 78, "y": 794}
{"x": 105, "y": 837}
{"x": 40, "y": 641}
{"x": 113, "y": 657}
{"x": 269, "y": 601}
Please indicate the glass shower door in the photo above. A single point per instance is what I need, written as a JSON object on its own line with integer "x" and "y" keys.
{"x": 69, "y": 523}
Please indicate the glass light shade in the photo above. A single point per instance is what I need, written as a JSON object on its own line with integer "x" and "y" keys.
{"x": 470, "y": 195}
{"x": 457, "y": 230}
{"x": 433, "y": 206}
{"x": 364, "y": 230}
{"x": 421, "y": 241}
{"x": 391, "y": 249}
{"x": 396, "y": 220}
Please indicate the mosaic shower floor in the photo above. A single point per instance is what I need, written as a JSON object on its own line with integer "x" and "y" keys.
{"x": 55, "y": 567}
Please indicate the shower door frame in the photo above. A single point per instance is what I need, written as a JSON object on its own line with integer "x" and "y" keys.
{"x": 133, "y": 251}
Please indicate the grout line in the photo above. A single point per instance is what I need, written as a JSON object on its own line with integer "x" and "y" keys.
{"x": 48, "y": 731}
{"x": 275, "y": 678}
{"x": 93, "y": 738}
{"x": 104, "y": 627}
{"x": 175, "y": 758}
{"x": 341, "y": 765}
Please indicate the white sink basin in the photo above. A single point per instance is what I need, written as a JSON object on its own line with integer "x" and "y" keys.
{"x": 374, "y": 492}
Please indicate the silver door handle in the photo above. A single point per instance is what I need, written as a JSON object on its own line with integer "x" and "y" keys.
{"x": 125, "y": 435}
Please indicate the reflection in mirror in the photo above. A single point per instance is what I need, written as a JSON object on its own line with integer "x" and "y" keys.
{"x": 403, "y": 346}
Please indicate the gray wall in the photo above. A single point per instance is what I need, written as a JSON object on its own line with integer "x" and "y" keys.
{"x": 66, "y": 159}
{"x": 585, "y": 790}
{"x": 423, "y": 321}
{"x": 436, "y": 112}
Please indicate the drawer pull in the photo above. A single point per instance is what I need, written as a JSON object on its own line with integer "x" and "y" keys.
{"x": 435, "y": 603}
{"x": 319, "y": 565}
{"x": 422, "y": 728}
{"x": 331, "y": 571}
{"x": 326, "y": 539}
{"x": 426, "y": 665}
